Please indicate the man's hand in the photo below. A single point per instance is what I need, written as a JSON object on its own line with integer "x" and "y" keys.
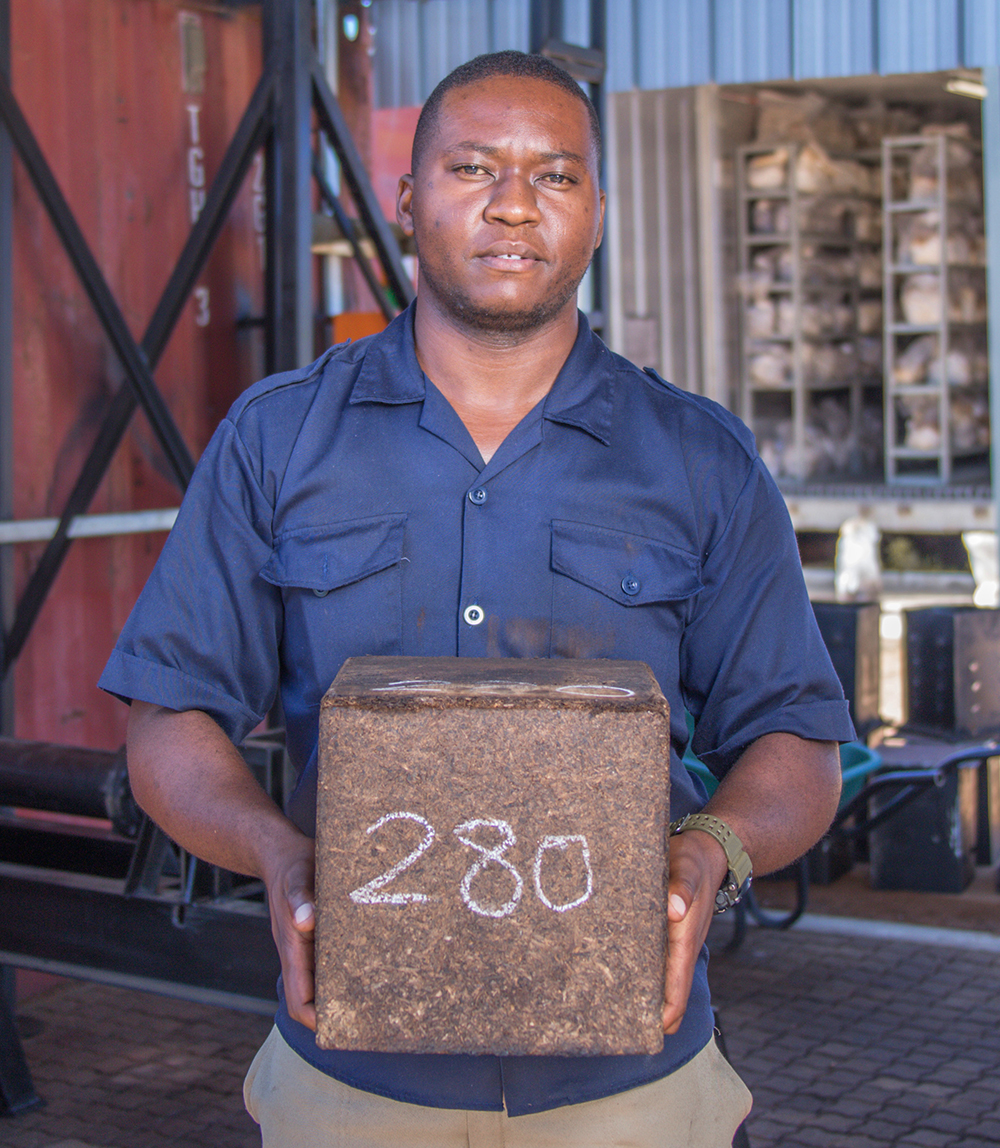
{"x": 290, "y": 898}
{"x": 698, "y": 867}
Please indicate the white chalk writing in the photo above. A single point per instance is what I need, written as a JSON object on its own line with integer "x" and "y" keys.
{"x": 562, "y": 844}
{"x": 369, "y": 894}
{"x": 496, "y": 855}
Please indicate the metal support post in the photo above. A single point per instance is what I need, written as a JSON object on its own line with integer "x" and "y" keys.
{"x": 289, "y": 54}
{"x": 991, "y": 180}
{"x": 17, "y": 1092}
{"x": 546, "y": 23}
{"x": 6, "y": 377}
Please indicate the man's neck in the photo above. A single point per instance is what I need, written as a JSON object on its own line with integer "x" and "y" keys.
{"x": 492, "y": 379}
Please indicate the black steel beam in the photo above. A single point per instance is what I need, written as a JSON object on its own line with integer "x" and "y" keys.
{"x": 132, "y": 359}
{"x": 353, "y": 172}
{"x": 88, "y": 928}
{"x": 225, "y": 187}
{"x": 291, "y": 338}
{"x": 7, "y": 599}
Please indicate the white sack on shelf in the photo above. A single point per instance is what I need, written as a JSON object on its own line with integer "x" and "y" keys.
{"x": 920, "y": 417}
{"x": 970, "y": 422}
{"x": 774, "y": 262}
{"x": 866, "y": 222}
{"x": 786, "y": 317}
{"x": 920, "y": 299}
{"x": 769, "y": 217}
{"x": 912, "y": 365}
{"x": 771, "y": 368}
{"x": 768, "y": 171}
{"x": 869, "y": 269}
{"x": 919, "y": 237}
{"x": 869, "y": 316}
{"x": 963, "y": 166}
{"x": 760, "y": 318}
{"x": 804, "y": 118}
{"x": 816, "y": 172}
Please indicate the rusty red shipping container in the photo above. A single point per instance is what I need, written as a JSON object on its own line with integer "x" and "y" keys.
{"x": 133, "y": 103}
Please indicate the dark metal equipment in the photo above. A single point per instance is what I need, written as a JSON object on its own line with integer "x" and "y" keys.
{"x": 953, "y": 671}
{"x": 850, "y": 631}
{"x": 90, "y": 888}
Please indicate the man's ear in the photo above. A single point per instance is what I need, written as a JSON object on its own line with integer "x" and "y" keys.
{"x": 404, "y": 205}
{"x": 600, "y": 227}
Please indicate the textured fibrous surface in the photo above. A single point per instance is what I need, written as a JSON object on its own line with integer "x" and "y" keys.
{"x": 492, "y": 857}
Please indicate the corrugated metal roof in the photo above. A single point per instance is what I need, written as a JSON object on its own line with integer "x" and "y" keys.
{"x": 654, "y": 44}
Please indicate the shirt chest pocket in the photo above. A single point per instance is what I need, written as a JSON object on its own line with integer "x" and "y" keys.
{"x": 601, "y": 580}
{"x": 342, "y": 588}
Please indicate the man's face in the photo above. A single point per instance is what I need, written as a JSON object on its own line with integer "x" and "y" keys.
{"x": 505, "y": 206}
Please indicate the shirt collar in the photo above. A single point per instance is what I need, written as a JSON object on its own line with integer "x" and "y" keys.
{"x": 581, "y": 395}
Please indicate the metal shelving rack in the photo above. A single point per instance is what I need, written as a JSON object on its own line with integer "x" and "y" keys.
{"x": 799, "y": 389}
{"x": 909, "y": 463}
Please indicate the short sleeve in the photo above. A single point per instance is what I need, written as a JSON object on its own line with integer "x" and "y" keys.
{"x": 752, "y": 657}
{"x": 205, "y": 631}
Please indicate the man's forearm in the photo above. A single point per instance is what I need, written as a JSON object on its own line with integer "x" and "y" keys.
{"x": 193, "y": 782}
{"x": 780, "y": 797}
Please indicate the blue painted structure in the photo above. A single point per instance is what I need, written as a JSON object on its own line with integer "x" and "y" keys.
{"x": 654, "y": 44}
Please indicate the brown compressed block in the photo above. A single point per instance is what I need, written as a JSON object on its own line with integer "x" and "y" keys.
{"x": 492, "y": 857}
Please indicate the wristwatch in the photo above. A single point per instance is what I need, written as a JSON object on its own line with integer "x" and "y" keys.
{"x": 740, "y": 869}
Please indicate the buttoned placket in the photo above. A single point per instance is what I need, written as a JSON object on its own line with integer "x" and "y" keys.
{"x": 484, "y": 511}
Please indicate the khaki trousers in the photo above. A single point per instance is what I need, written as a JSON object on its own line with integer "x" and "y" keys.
{"x": 699, "y": 1106}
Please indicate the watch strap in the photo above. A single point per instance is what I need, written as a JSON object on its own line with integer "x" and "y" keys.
{"x": 740, "y": 867}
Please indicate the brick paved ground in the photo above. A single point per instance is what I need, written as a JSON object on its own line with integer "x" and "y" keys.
{"x": 124, "y": 1069}
{"x": 862, "y": 1043}
{"x": 845, "y": 1041}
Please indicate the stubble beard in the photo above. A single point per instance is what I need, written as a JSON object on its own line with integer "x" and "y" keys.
{"x": 502, "y": 323}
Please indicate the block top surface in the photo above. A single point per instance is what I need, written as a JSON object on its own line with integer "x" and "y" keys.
{"x": 493, "y": 682}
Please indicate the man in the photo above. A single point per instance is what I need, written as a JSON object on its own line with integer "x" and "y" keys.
{"x": 484, "y": 479}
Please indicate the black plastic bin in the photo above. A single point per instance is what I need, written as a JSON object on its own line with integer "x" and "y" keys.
{"x": 929, "y": 844}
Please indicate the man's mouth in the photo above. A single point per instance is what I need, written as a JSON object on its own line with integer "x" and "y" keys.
{"x": 503, "y": 258}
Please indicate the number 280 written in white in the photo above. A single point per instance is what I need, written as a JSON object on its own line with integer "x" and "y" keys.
{"x": 373, "y": 892}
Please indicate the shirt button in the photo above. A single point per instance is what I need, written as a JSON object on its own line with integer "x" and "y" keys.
{"x": 474, "y": 615}
{"x": 321, "y": 593}
{"x": 478, "y": 496}
{"x": 631, "y": 585}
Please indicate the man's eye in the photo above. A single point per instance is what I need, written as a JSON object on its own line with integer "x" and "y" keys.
{"x": 470, "y": 169}
{"x": 557, "y": 177}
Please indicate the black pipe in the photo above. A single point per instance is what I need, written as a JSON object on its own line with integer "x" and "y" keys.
{"x": 68, "y": 779}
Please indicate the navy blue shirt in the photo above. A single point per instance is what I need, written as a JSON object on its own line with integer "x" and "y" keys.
{"x": 344, "y": 509}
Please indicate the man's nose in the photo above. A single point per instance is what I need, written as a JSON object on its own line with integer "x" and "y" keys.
{"x": 513, "y": 200}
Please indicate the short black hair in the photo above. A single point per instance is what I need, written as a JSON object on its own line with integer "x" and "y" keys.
{"x": 507, "y": 63}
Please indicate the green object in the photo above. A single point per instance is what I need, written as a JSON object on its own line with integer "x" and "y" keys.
{"x": 857, "y": 761}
